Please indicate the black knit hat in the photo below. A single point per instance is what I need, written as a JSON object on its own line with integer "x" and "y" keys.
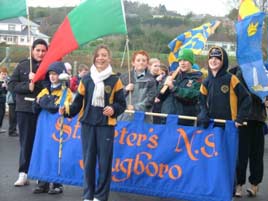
{"x": 57, "y": 67}
{"x": 215, "y": 52}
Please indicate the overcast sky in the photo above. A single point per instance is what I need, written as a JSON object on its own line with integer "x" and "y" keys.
{"x": 213, "y": 7}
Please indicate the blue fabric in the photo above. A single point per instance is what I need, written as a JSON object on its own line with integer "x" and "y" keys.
{"x": 152, "y": 159}
{"x": 196, "y": 67}
{"x": 63, "y": 97}
{"x": 249, "y": 38}
{"x": 44, "y": 162}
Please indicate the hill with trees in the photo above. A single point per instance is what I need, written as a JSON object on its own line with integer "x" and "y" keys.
{"x": 149, "y": 28}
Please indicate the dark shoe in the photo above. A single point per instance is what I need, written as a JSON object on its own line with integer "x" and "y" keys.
{"x": 13, "y": 134}
{"x": 40, "y": 189}
{"x": 55, "y": 190}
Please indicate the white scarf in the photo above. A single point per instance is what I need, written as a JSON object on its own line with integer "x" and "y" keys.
{"x": 98, "y": 77}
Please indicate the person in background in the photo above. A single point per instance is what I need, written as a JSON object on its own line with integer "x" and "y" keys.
{"x": 163, "y": 72}
{"x": 49, "y": 99}
{"x": 3, "y": 92}
{"x": 101, "y": 95}
{"x": 20, "y": 84}
{"x": 68, "y": 68}
{"x": 251, "y": 144}
{"x": 160, "y": 79}
{"x": 154, "y": 67}
{"x": 74, "y": 81}
{"x": 12, "y": 119}
{"x": 182, "y": 93}
{"x": 140, "y": 88}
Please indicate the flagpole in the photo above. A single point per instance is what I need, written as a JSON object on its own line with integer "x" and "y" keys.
{"x": 129, "y": 70}
{"x": 63, "y": 77}
{"x": 29, "y": 37}
{"x": 124, "y": 54}
{"x": 179, "y": 116}
{"x": 215, "y": 27}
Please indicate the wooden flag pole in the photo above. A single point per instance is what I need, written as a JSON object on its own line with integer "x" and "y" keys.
{"x": 124, "y": 53}
{"x": 179, "y": 116}
{"x": 63, "y": 77}
{"x": 129, "y": 70}
{"x": 215, "y": 27}
{"x": 29, "y": 37}
{"x": 173, "y": 76}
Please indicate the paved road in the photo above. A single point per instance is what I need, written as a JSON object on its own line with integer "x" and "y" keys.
{"x": 9, "y": 150}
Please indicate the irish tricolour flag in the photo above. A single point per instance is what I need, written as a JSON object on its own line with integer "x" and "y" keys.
{"x": 92, "y": 19}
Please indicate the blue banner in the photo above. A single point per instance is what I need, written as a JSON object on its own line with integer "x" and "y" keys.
{"x": 158, "y": 160}
{"x": 45, "y": 156}
{"x": 249, "y": 54}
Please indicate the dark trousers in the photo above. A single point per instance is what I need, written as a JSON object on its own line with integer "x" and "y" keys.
{"x": 2, "y": 112}
{"x": 250, "y": 150}
{"x": 27, "y": 125}
{"x": 97, "y": 145}
{"x": 157, "y": 109}
{"x": 12, "y": 128}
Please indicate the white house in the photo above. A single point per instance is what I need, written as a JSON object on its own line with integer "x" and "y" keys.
{"x": 230, "y": 47}
{"x": 14, "y": 31}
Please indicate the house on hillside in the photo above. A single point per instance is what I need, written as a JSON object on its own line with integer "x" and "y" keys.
{"x": 14, "y": 31}
{"x": 158, "y": 16}
{"x": 230, "y": 47}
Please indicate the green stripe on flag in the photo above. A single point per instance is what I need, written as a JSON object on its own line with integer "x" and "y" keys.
{"x": 97, "y": 18}
{"x": 12, "y": 8}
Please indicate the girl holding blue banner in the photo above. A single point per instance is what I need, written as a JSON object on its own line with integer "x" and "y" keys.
{"x": 100, "y": 99}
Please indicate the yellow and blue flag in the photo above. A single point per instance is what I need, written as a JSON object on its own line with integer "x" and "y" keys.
{"x": 249, "y": 53}
{"x": 247, "y": 8}
{"x": 193, "y": 39}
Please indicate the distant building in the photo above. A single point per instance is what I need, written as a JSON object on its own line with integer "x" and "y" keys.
{"x": 230, "y": 47}
{"x": 132, "y": 15}
{"x": 158, "y": 16}
{"x": 14, "y": 31}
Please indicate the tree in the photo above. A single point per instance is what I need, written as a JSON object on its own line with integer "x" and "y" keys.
{"x": 233, "y": 14}
{"x": 263, "y": 5}
{"x": 162, "y": 9}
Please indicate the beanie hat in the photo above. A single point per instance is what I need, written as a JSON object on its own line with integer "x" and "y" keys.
{"x": 187, "y": 55}
{"x": 215, "y": 52}
{"x": 57, "y": 67}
